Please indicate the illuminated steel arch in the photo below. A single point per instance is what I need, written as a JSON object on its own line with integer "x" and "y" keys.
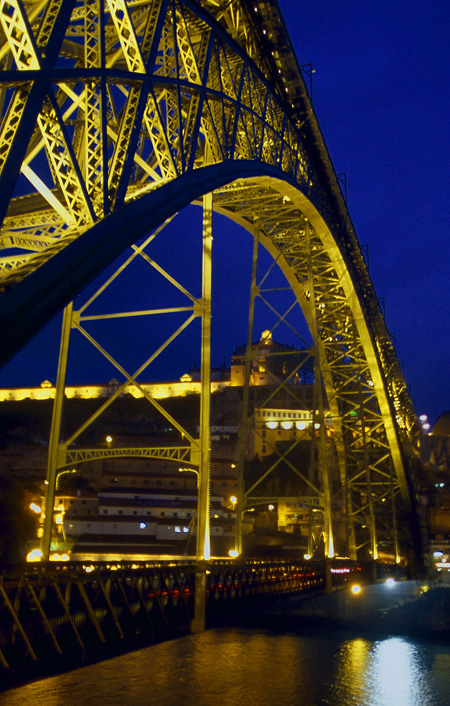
{"x": 116, "y": 114}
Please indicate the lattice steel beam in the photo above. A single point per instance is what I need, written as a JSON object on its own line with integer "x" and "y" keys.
{"x": 111, "y": 108}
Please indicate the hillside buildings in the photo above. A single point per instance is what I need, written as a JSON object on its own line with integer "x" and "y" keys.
{"x": 138, "y": 506}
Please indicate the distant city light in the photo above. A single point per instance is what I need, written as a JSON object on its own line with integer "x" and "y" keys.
{"x": 34, "y": 555}
{"x": 356, "y": 589}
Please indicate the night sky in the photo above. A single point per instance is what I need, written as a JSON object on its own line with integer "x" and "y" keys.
{"x": 381, "y": 91}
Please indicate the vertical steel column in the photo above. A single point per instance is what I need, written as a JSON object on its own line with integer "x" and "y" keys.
{"x": 350, "y": 525}
{"x": 372, "y": 525}
{"x": 203, "y": 506}
{"x": 55, "y": 432}
{"x": 240, "y": 506}
{"x": 323, "y": 460}
{"x": 394, "y": 517}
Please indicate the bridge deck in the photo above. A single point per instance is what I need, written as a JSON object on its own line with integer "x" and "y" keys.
{"x": 55, "y": 616}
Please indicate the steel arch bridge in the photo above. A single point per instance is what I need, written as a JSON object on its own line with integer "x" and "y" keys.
{"x": 115, "y": 114}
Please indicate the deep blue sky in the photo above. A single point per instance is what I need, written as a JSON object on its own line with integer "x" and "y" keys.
{"x": 381, "y": 90}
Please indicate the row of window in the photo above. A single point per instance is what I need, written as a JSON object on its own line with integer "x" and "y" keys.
{"x": 148, "y": 513}
{"x": 172, "y": 483}
{"x": 283, "y": 415}
{"x": 177, "y": 529}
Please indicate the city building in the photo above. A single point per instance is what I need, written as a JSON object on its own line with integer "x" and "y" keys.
{"x": 143, "y": 506}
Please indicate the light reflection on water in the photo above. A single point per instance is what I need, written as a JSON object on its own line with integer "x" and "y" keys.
{"x": 256, "y": 667}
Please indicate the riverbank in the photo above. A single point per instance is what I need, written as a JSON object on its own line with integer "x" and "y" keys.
{"x": 415, "y": 608}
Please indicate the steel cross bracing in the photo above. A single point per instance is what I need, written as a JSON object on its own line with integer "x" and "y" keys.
{"x": 375, "y": 495}
{"x": 171, "y": 453}
{"x": 116, "y": 114}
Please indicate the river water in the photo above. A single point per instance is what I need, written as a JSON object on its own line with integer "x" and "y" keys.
{"x": 256, "y": 666}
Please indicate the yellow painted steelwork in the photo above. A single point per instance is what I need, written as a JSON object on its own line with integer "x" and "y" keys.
{"x": 105, "y": 106}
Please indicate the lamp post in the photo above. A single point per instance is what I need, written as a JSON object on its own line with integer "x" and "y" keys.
{"x": 189, "y": 470}
{"x": 59, "y": 519}
{"x": 74, "y": 470}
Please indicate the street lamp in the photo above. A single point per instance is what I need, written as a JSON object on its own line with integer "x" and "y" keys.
{"x": 74, "y": 470}
{"x": 189, "y": 470}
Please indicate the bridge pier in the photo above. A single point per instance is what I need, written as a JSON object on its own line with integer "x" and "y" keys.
{"x": 203, "y": 502}
{"x": 198, "y": 623}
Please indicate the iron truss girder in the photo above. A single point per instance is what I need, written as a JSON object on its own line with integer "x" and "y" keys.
{"x": 103, "y": 105}
{"x": 155, "y": 83}
{"x": 373, "y": 479}
{"x": 169, "y": 453}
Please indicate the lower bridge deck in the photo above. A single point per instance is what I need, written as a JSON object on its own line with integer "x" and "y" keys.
{"x": 55, "y": 617}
